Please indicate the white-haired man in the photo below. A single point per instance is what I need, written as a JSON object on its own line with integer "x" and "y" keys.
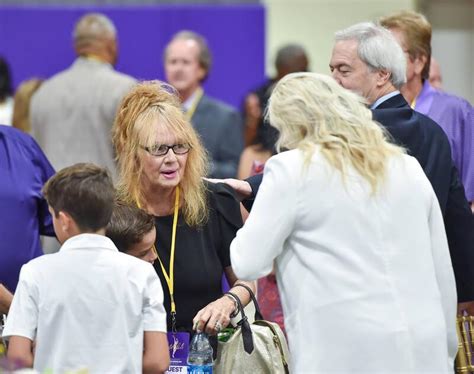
{"x": 366, "y": 58}
{"x": 72, "y": 113}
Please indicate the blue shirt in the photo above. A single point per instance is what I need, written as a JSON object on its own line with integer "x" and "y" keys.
{"x": 24, "y": 212}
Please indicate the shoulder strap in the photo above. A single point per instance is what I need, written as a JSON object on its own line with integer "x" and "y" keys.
{"x": 258, "y": 314}
{"x": 245, "y": 327}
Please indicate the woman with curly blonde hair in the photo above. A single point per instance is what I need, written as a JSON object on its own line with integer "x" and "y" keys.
{"x": 357, "y": 235}
{"x": 161, "y": 166}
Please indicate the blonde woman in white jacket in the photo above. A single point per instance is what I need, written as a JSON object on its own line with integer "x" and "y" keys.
{"x": 356, "y": 232}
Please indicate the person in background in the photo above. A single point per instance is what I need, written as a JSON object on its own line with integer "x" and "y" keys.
{"x": 89, "y": 306}
{"x": 6, "y": 298}
{"x": 187, "y": 61}
{"x": 435, "y": 77}
{"x": 72, "y": 113}
{"x": 21, "y": 121}
{"x": 162, "y": 163}
{"x": 253, "y": 158}
{"x": 351, "y": 217}
{"x": 454, "y": 114}
{"x": 6, "y": 92}
{"x": 22, "y": 103}
{"x": 133, "y": 231}
{"x": 290, "y": 58}
{"x": 24, "y": 215}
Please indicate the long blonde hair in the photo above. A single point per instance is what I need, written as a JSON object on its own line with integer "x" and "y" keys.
{"x": 146, "y": 103}
{"x": 313, "y": 110}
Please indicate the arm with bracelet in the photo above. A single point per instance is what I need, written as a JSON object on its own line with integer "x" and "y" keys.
{"x": 240, "y": 292}
{"x": 217, "y": 315}
{"x": 236, "y": 304}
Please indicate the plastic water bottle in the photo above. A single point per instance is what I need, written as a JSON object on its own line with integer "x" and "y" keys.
{"x": 200, "y": 355}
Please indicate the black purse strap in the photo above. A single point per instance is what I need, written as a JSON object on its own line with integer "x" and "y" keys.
{"x": 244, "y": 325}
{"x": 258, "y": 314}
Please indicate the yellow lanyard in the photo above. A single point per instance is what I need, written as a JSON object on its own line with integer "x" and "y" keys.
{"x": 413, "y": 103}
{"x": 198, "y": 96}
{"x": 170, "y": 277}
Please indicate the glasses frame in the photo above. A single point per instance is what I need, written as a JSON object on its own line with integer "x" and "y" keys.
{"x": 168, "y": 147}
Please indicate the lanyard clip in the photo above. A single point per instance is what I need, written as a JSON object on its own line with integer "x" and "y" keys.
{"x": 173, "y": 322}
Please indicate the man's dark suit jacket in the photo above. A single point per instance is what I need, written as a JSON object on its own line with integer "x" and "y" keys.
{"x": 425, "y": 140}
{"x": 220, "y": 128}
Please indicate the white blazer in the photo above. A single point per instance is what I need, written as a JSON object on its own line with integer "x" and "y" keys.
{"x": 366, "y": 280}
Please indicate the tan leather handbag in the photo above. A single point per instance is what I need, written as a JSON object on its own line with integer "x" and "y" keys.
{"x": 259, "y": 347}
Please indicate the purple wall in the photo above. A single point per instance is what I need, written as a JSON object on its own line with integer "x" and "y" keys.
{"x": 37, "y": 41}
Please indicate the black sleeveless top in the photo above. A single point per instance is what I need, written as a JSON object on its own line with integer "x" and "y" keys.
{"x": 201, "y": 255}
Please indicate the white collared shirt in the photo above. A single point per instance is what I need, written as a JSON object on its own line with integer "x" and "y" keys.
{"x": 190, "y": 101}
{"x": 383, "y": 98}
{"x": 87, "y": 306}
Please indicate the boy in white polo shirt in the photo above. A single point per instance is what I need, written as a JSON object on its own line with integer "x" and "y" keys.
{"x": 87, "y": 306}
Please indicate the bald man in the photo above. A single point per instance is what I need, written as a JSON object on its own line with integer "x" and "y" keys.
{"x": 72, "y": 113}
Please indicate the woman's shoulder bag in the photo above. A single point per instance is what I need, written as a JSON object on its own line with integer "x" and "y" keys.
{"x": 259, "y": 347}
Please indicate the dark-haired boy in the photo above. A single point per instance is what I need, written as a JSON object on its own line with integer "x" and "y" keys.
{"x": 133, "y": 231}
{"x": 87, "y": 306}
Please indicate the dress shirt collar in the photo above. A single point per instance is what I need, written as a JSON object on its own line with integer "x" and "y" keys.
{"x": 89, "y": 241}
{"x": 380, "y": 100}
{"x": 190, "y": 101}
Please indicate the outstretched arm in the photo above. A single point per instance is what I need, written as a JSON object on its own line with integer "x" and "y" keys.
{"x": 246, "y": 190}
{"x": 216, "y": 315}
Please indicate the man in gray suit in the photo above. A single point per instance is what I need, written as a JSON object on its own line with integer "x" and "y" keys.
{"x": 72, "y": 113}
{"x": 187, "y": 62}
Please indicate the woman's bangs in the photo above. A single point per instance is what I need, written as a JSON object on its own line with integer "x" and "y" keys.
{"x": 180, "y": 128}
{"x": 145, "y": 128}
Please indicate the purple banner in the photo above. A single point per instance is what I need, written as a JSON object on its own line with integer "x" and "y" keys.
{"x": 37, "y": 41}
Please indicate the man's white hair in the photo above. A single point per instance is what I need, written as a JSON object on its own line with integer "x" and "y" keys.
{"x": 93, "y": 26}
{"x": 378, "y": 49}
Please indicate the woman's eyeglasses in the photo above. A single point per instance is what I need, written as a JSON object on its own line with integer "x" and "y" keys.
{"x": 163, "y": 149}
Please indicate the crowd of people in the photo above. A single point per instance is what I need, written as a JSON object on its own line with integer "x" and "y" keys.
{"x": 344, "y": 200}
